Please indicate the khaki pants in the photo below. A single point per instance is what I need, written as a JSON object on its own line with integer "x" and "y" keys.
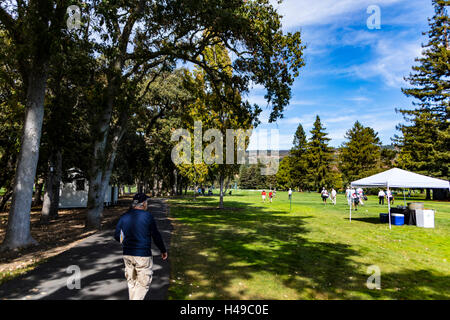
{"x": 138, "y": 272}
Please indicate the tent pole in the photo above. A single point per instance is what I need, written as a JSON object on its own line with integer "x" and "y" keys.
{"x": 389, "y": 205}
{"x": 351, "y": 202}
{"x": 350, "y": 209}
{"x": 404, "y": 198}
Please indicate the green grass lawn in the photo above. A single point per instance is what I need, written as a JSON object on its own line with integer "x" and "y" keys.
{"x": 255, "y": 250}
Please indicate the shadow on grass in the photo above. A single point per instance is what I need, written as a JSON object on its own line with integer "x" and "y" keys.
{"x": 216, "y": 249}
{"x": 372, "y": 220}
{"x": 243, "y": 243}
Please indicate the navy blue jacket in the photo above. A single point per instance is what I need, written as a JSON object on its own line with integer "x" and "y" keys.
{"x": 138, "y": 227}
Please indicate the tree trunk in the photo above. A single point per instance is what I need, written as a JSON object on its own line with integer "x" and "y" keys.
{"x": 18, "y": 233}
{"x": 98, "y": 184}
{"x": 53, "y": 184}
{"x": 96, "y": 199}
{"x": 175, "y": 183}
{"x": 155, "y": 186}
{"x": 160, "y": 189}
{"x": 227, "y": 185}
{"x": 221, "y": 192}
{"x": 180, "y": 188}
{"x": 96, "y": 196}
{"x": 99, "y": 166}
{"x": 37, "y": 201}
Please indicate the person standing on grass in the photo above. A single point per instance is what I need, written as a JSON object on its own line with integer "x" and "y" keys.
{"x": 360, "y": 195}
{"x": 348, "y": 194}
{"x": 270, "y": 195}
{"x": 390, "y": 197}
{"x": 263, "y": 195}
{"x": 355, "y": 199}
{"x": 324, "y": 195}
{"x": 333, "y": 196}
{"x": 290, "y": 193}
{"x": 135, "y": 230}
{"x": 381, "y": 196}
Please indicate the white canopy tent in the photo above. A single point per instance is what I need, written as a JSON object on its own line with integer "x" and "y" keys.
{"x": 398, "y": 178}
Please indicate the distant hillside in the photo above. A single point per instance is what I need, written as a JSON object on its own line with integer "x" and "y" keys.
{"x": 270, "y": 154}
{"x": 389, "y": 147}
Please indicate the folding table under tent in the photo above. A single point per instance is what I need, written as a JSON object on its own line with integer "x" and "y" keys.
{"x": 398, "y": 178}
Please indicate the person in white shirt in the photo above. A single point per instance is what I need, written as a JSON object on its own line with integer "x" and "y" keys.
{"x": 290, "y": 193}
{"x": 381, "y": 196}
{"x": 333, "y": 196}
{"x": 348, "y": 194}
{"x": 360, "y": 193}
{"x": 389, "y": 197}
{"x": 355, "y": 199}
{"x": 324, "y": 194}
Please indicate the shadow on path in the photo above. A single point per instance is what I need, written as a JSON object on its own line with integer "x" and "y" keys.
{"x": 100, "y": 262}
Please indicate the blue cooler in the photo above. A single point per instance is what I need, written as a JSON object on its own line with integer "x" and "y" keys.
{"x": 397, "y": 219}
{"x": 384, "y": 217}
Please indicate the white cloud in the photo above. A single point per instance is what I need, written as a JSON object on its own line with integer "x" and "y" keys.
{"x": 390, "y": 59}
{"x": 306, "y": 12}
{"x": 332, "y": 28}
{"x": 393, "y": 61}
{"x": 358, "y": 99}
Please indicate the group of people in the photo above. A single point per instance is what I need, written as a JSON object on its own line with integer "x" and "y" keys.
{"x": 271, "y": 195}
{"x": 385, "y": 195}
{"x": 324, "y": 194}
{"x": 355, "y": 197}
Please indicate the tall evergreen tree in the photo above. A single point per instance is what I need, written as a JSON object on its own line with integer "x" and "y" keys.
{"x": 297, "y": 162}
{"x": 299, "y": 147}
{"x": 319, "y": 157}
{"x": 425, "y": 140}
{"x": 284, "y": 179}
{"x": 360, "y": 155}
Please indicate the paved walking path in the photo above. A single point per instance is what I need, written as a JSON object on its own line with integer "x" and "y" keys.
{"x": 99, "y": 258}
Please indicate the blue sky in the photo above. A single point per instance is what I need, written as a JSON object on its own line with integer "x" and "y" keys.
{"x": 351, "y": 73}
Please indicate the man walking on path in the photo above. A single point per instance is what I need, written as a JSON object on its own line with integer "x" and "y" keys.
{"x": 135, "y": 230}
